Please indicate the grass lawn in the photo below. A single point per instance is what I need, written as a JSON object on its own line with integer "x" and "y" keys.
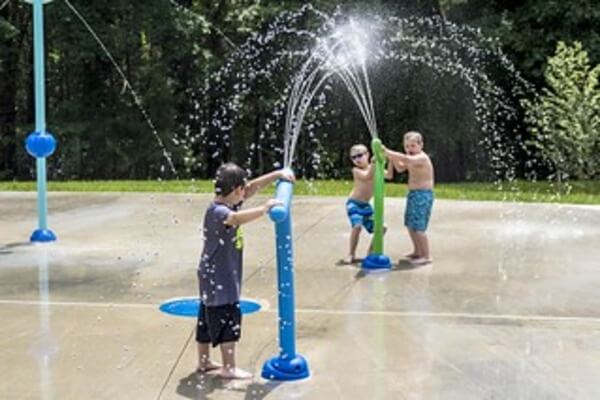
{"x": 583, "y": 192}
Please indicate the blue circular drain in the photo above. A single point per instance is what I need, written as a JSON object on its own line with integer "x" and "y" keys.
{"x": 188, "y": 307}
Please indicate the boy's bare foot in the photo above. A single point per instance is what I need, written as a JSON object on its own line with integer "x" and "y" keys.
{"x": 207, "y": 367}
{"x": 412, "y": 255}
{"x": 348, "y": 260}
{"x": 234, "y": 373}
{"x": 420, "y": 261}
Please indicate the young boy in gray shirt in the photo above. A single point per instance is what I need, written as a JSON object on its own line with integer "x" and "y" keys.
{"x": 220, "y": 267}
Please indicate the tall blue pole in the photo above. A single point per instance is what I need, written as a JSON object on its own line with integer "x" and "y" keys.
{"x": 40, "y": 143}
{"x": 288, "y": 365}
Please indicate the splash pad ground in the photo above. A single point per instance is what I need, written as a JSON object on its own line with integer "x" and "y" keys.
{"x": 508, "y": 310}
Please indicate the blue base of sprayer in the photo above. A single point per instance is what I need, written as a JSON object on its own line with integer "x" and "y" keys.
{"x": 280, "y": 369}
{"x": 42, "y": 236}
{"x": 377, "y": 261}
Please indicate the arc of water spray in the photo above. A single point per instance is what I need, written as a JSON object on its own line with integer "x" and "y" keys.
{"x": 301, "y": 113}
{"x": 302, "y": 94}
{"x": 297, "y": 94}
{"x": 359, "y": 88}
{"x": 300, "y": 98}
{"x": 351, "y": 79}
{"x": 134, "y": 94}
{"x": 353, "y": 84}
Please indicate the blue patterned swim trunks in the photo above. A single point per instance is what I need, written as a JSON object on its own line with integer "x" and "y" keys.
{"x": 418, "y": 209}
{"x": 360, "y": 213}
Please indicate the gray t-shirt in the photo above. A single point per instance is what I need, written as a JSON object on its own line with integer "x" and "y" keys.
{"x": 220, "y": 267}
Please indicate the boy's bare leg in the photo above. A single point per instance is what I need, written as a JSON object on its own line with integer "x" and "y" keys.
{"x": 204, "y": 362}
{"x": 423, "y": 244}
{"x": 416, "y": 253}
{"x": 354, "y": 236}
{"x": 229, "y": 370}
{"x": 424, "y": 257}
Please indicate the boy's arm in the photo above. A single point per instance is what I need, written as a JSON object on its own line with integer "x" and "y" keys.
{"x": 399, "y": 166}
{"x": 389, "y": 172}
{"x": 401, "y": 158}
{"x": 363, "y": 175}
{"x": 257, "y": 184}
{"x": 242, "y": 217}
{"x": 395, "y": 155}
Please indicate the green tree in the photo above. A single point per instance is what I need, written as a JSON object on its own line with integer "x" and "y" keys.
{"x": 530, "y": 29}
{"x": 565, "y": 120}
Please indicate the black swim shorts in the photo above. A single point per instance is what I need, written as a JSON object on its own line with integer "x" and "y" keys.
{"x": 219, "y": 324}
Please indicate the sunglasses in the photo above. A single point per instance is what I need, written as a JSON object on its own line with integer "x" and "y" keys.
{"x": 357, "y": 156}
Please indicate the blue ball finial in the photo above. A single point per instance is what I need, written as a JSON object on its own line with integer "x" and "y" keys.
{"x": 278, "y": 213}
{"x": 40, "y": 145}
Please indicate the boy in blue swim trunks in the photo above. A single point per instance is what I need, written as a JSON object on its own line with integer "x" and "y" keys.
{"x": 419, "y": 200}
{"x": 360, "y": 212}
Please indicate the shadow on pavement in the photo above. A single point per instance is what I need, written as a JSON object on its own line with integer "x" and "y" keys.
{"x": 402, "y": 265}
{"x": 201, "y": 386}
{"x": 6, "y": 248}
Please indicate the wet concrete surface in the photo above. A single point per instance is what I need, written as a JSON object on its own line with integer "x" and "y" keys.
{"x": 508, "y": 310}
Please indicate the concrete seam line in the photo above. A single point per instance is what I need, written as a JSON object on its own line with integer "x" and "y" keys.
{"x": 406, "y": 314}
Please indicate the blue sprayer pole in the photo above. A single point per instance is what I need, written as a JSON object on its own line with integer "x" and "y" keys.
{"x": 40, "y": 107}
{"x": 288, "y": 365}
{"x": 40, "y": 143}
{"x": 39, "y": 70}
{"x": 285, "y": 272}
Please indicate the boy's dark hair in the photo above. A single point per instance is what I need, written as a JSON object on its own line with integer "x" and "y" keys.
{"x": 229, "y": 177}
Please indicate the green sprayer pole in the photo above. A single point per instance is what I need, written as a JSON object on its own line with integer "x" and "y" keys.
{"x": 379, "y": 183}
{"x": 378, "y": 260}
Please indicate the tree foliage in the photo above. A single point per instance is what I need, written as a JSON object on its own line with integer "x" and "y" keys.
{"x": 170, "y": 50}
{"x": 565, "y": 119}
{"x": 529, "y": 30}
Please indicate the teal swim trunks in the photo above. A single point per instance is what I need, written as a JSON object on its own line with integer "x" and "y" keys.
{"x": 360, "y": 213}
{"x": 418, "y": 209}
